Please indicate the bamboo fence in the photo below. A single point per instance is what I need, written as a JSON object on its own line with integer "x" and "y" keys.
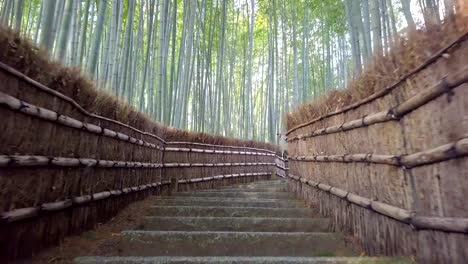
{"x": 392, "y": 168}
{"x": 63, "y": 169}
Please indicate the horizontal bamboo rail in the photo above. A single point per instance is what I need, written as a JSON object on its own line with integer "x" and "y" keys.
{"x": 192, "y": 165}
{"x": 67, "y": 99}
{"x": 444, "y": 86}
{"x": 221, "y": 146}
{"x": 35, "y": 161}
{"x": 387, "y": 90}
{"x": 29, "y": 212}
{"x": 17, "y": 105}
{"x": 453, "y": 150}
{"x": 211, "y": 151}
{"x": 447, "y": 224}
{"x": 281, "y": 167}
{"x": 226, "y": 176}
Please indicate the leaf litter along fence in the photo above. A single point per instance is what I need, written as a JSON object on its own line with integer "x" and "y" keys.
{"x": 392, "y": 168}
{"x": 64, "y": 169}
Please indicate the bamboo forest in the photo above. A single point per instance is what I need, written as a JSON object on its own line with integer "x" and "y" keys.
{"x": 226, "y": 67}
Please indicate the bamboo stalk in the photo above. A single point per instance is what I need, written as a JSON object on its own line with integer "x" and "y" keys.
{"x": 448, "y": 224}
{"x": 57, "y": 205}
{"x": 280, "y": 167}
{"x": 324, "y": 187}
{"x": 370, "y": 158}
{"x": 448, "y": 83}
{"x": 339, "y": 192}
{"x": 391, "y": 211}
{"x": 271, "y": 153}
{"x": 171, "y": 149}
{"x": 359, "y": 200}
{"x": 385, "y": 91}
{"x": 34, "y": 161}
{"x": 20, "y": 214}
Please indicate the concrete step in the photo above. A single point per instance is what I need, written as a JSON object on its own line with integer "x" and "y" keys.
{"x": 253, "y": 186}
{"x": 214, "y": 211}
{"x": 257, "y": 189}
{"x": 238, "y": 199}
{"x": 252, "y": 224}
{"x": 242, "y": 260}
{"x": 260, "y": 195}
{"x": 228, "y": 202}
{"x": 183, "y": 243}
{"x": 268, "y": 181}
{"x": 262, "y": 183}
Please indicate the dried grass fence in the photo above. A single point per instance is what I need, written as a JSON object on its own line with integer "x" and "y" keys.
{"x": 392, "y": 168}
{"x": 64, "y": 169}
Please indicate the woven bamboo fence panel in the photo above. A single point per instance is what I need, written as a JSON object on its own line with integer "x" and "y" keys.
{"x": 392, "y": 169}
{"x": 62, "y": 170}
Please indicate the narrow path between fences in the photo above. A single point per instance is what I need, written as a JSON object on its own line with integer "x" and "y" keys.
{"x": 259, "y": 222}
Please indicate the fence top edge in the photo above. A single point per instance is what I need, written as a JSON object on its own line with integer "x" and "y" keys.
{"x": 215, "y": 145}
{"x": 4, "y": 67}
{"x": 384, "y": 91}
{"x": 57, "y": 94}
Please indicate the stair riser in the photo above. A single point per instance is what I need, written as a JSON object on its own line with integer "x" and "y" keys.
{"x": 148, "y": 243}
{"x": 181, "y": 202}
{"x": 230, "y": 212}
{"x": 253, "y": 195}
{"x": 236, "y": 224}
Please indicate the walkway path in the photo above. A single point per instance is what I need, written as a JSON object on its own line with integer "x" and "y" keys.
{"x": 252, "y": 223}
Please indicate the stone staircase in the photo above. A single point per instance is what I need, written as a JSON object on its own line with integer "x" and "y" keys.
{"x": 259, "y": 222}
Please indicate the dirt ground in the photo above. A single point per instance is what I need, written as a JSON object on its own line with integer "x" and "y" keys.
{"x": 103, "y": 240}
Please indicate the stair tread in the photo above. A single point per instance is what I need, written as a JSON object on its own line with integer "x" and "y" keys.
{"x": 234, "y": 199}
{"x": 252, "y": 224}
{"x": 230, "y": 211}
{"x": 230, "y": 203}
{"x": 228, "y": 243}
{"x": 242, "y": 260}
{"x": 259, "y": 222}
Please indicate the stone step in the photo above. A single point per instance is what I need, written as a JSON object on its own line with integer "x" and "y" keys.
{"x": 228, "y": 202}
{"x": 261, "y": 195}
{"x": 262, "y": 183}
{"x": 242, "y": 260}
{"x": 253, "y": 224}
{"x": 241, "y": 199}
{"x": 268, "y": 181}
{"x": 251, "y": 186}
{"x": 195, "y": 243}
{"x": 214, "y": 211}
{"x": 259, "y": 189}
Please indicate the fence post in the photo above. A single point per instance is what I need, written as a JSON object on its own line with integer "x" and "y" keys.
{"x": 174, "y": 186}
